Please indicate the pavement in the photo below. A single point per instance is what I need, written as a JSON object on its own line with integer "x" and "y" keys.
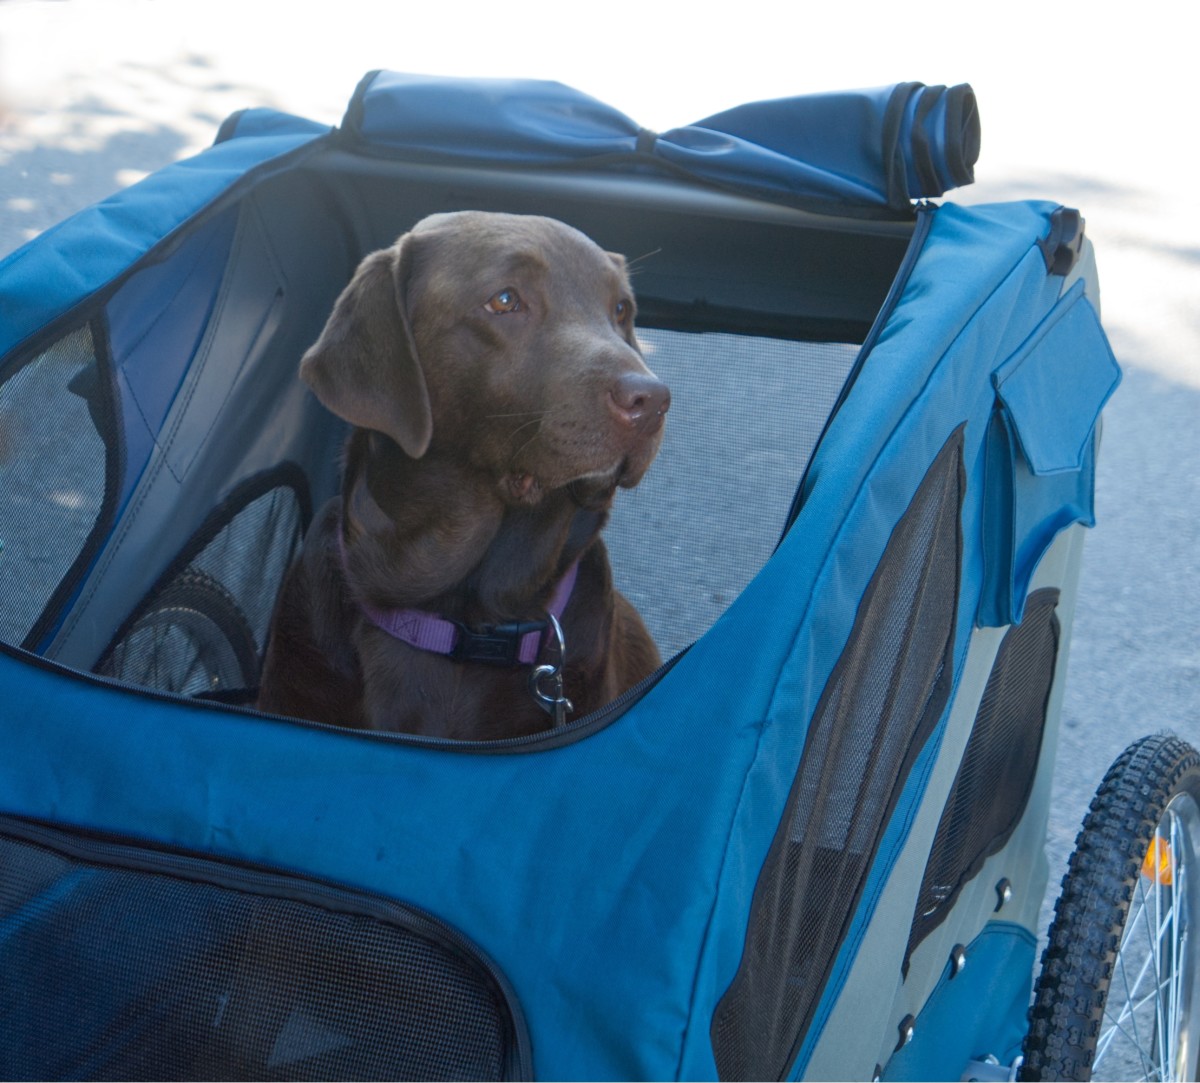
{"x": 1083, "y": 107}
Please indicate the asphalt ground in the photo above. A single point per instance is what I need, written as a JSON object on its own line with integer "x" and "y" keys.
{"x": 1079, "y": 105}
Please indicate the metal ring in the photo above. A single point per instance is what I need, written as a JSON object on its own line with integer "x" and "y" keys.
{"x": 556, "y": 628}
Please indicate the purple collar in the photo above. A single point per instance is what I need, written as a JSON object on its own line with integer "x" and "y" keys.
{"x": 510, "y": 644}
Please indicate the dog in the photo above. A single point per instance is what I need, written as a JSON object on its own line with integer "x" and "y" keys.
{"x": 458, "y": 587}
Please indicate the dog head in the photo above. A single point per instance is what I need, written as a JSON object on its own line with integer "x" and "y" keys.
{"x": 503, "y": 340}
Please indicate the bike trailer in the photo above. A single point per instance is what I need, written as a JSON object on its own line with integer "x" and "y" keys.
{"x": 810, "y": 846}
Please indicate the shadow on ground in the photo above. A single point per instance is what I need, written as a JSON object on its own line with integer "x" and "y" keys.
{"x": 67, "y": 147}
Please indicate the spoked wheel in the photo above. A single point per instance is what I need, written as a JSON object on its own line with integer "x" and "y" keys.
{"x": 1119, "y": 992}
{"x": 193, "y": 639}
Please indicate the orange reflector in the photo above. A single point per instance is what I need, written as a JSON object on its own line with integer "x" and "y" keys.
{"x": 1159, "y": 865}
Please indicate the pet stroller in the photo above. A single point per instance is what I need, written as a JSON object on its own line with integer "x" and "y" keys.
{"x": 810, "y": 846}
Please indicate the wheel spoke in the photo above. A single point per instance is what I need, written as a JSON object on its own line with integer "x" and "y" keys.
{"x": 1131, "y": 927}
{"x": 1147, "y": 999}
{"x": 1109, "y": 1036}
{"x": 1160, "y": 1016}
{"x": 1179, "y": 935}
{"x": 1154, "y": 936}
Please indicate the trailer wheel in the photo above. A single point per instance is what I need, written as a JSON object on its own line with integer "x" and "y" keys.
{"x": 192, "y": 639}
{"x": 1119, "y": 992}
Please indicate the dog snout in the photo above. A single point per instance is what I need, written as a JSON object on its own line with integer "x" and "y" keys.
{"x": 640, "y": 400}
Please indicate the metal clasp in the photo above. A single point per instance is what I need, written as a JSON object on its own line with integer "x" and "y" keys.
{"x": 546, "y": 681}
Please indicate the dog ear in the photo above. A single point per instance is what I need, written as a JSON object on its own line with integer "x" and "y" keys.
{"x": 364, "y": 366}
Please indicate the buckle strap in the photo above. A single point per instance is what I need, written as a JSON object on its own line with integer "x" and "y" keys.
{"x": 509, "y": 644}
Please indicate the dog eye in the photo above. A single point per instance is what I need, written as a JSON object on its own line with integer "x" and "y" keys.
{"x": 623, "y": 311}
{"x": 503, "y": 302}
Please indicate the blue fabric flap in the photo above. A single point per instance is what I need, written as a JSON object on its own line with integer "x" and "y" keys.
{"x": 869, "y": 148}
{"x": 973, "y": 1014}
{"x": 1041, "y": 448}
{"x": 1055, "y": 386}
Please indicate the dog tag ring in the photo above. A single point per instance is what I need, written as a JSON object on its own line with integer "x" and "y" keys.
{"x": 552, "y": 701}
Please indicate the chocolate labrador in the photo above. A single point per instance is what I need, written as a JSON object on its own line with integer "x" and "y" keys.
{"x": 458, "y": 586}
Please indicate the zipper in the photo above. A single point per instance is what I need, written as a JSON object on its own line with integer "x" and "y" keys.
{"x": 537, "y": 742}
{"x": 252, "y": 879}
{"x": 924, "y": 223}
{"x": 583, "y": 727}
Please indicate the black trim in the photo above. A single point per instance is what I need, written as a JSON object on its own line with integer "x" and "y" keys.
{"x": 760, "y": 1055}
{"x": 700, "y": 317}
{"x": 627, "y": 162}
{"x": 1061, "y": 247}
{"x": 84, "y": 307}
{"x": 916, "y": 244}
{"x": 558, "y": 737}
{"x": 47, "y": 622}
{"x": 925, "y": 924}
{"x": 922, "y": 153}
{"x": 892, "y": 155}
{"x": 284, "y": 475}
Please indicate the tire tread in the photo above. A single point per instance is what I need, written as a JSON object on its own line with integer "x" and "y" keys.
{"x": 1097, "y": 892}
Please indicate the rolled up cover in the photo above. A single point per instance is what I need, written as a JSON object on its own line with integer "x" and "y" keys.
{"x": 862, "y": 149}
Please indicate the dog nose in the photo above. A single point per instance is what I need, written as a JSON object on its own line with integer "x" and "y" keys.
{"x": 640, "y": 400}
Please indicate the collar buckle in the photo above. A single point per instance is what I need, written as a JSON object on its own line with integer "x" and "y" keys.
{"x": 498, "y": 645}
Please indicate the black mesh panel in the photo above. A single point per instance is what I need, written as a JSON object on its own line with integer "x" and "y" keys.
{"x": 59, "y": 471}
{"x": 127, "y": 964}
{"x": 203, "y": 628}
{"x": 883, "y": 699}
{"x": 997, "y": 770}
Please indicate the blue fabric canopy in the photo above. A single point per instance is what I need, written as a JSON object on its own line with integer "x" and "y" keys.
{"x": 877, "y": 149}
{"x": 852, "y": 152}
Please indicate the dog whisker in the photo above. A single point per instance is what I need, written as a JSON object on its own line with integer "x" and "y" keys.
{"x": 517, "y": 454}
{"x": 631, "y": 266}
{"x": 520, "y": 428}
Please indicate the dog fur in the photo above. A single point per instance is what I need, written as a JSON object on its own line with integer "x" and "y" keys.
{"x": 499, "y": 398}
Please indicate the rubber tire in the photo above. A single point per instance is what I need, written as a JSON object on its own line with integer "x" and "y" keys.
{"x": 1098, "y": 890}
{"x": 200, "y": 608}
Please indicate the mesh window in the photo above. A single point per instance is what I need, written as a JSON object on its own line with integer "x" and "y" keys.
{"x": 882, "y": 701}
{"x": 203, "y": 628}
{"x": 998, "y": 766}
{"x": 746, "y": 414}
{"x": 159, "y": 966}
{"x": 59, "y": 469}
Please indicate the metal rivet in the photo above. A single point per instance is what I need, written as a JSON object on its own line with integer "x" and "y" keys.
{"x": 958, "y": 959}
{"x": 906, "y": 1031}
{"x": 1003, "y": 893}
